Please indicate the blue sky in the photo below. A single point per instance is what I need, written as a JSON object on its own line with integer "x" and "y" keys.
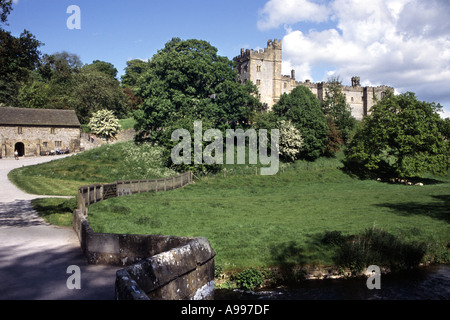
{"x": 401, "y": 43}
{"x": 116, "y": 31}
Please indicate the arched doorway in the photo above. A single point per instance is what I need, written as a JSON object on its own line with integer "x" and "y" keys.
{"x": 20, "y": 147}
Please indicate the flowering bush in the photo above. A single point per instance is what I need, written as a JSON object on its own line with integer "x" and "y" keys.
{"x": 291, "y": 140}
{"x": 104, "y": 123}
{"x": 142, "y": 161}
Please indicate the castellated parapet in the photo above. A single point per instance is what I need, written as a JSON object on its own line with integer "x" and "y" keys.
{"x": 263, "y": 68}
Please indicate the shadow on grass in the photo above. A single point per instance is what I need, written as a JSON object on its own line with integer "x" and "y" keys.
{"x": 57, "y": 211}
{"x": 435, "y": 210}
{"x": 289, "y": 258}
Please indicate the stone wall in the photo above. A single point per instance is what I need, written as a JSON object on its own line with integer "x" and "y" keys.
{"x": 185, "y": 272}
{"x": 90, "y": 141}
{"x": 155, "y": 267}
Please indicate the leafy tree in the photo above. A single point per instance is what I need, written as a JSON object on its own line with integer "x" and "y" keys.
{"x": 59, "y": 67}
{"x": 34, "y": 94}
{"x": 401, "y": 138}
{"x": 265, "y": 120}
{"x": 335, "y": 107}
{"x": 335, "y": 140}
{"x": 132, "y": 100}
{"x": 188, "y": 79}
{"x": 104, "y": 123}
{"x": 444, "y": 129}
{"x": 5, "y": 9}
{"x": 18, "y": 58}
{"x": 102, "y": 66}
{"x": 134, "y": 69}
{"x": 57, "y": 71}
{"x": 303, "y": 109}
{"x": 93, "y": 91}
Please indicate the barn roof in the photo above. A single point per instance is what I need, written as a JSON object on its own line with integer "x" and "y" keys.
{"x": 38, "y": 117}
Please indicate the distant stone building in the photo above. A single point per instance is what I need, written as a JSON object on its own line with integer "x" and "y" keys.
{"x": 34, "y": 132}
{"x": 263, "y": 68}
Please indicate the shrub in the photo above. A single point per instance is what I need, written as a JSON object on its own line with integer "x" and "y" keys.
{"x": 217, "y": 271}
{"x": 250, "y": 279}
{"x": 104, "y": 123}
{"x": 291, "y": 141}
{"x": 381, "y": 248}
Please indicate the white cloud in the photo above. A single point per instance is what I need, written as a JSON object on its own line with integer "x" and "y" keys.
{"x": 401, "y": 43}
{"x": 278, "y": 12}
{"x": 445, "y": 114}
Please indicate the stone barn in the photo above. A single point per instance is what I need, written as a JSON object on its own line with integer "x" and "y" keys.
{"x": 34, "y": 132}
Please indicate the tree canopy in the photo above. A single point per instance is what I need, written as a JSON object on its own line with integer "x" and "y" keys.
{"x": 187, "y": 78}
{"x": 94, "y": 90}
{"x": 5, "y": 9}
{"x": 336, "y": 108}
{"x": 303, "y": 109}
{"x": 18, "y": 58}
{"x": 134, "y": 69}
{"x": 401, "y": 138}
{"x": 102, "y": 66}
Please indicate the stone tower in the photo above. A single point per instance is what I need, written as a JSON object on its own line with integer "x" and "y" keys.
{"x": 263, "y": 68}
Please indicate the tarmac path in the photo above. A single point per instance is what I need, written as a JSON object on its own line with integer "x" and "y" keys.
{"x": 34, "y": 255}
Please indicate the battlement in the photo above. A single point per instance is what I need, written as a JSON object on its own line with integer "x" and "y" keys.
{"x": 272, "y": 45}
{"x": 275, "y": 44}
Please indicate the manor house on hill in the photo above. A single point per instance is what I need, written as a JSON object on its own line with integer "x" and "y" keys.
{"x": 34, "y": 132}
{"x": 263, "y": 68}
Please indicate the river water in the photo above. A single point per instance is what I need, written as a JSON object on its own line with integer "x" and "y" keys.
{"x": 426, "y": 283}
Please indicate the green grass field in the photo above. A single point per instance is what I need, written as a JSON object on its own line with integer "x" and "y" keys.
{"x": 250, "y": 220}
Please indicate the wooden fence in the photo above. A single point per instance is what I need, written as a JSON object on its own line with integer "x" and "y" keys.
{"x": 99, "y": 192}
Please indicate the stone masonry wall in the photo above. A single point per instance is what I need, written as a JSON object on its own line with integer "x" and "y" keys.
{"x": 156, "y": 267}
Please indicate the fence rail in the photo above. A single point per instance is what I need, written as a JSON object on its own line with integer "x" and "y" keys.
{"x": 99, "y": 192}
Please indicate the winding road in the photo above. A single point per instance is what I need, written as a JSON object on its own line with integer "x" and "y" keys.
{"x": 34, "y": 255}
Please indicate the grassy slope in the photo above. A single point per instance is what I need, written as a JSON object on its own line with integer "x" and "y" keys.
{"x": 109, "y": 163}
